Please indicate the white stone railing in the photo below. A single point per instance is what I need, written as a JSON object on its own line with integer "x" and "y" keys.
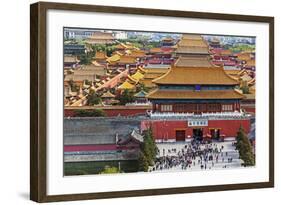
{"x": 203, "y": 115}
{"x": 138, "y": 104}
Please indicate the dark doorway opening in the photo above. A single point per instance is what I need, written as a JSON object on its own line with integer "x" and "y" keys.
{"x": 198, "y": 134}
{"x": 180, "y": 135}
{"x": 215, "y": 134}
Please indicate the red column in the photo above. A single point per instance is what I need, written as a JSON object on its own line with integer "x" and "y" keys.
{"x": 153, "y": 107}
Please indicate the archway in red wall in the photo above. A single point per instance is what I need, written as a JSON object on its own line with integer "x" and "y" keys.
{"x": 198, "y": 134}
{"x": 215, "y": 134}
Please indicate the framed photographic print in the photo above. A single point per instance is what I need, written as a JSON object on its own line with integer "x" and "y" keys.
{"x": 135, "y": 102}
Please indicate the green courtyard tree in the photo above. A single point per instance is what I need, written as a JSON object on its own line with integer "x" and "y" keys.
{"x": 143, "y": 162}
{"x": 86, "y": 58}
{"x": 151, "y": 143}
{"x": 93, "y": 98}
{"x": 98, "y": 113}
{"x": 149, "y": 147}
{"x": 87, "y": 82}
{"x": 73, "y": 86}
{"x": 244, "y": 147}
{"x": 110, "y": 170}
{"x": 147, "y": 152}
{"x": 140, "y": 87}
{"x": 126, "y": 96}
{"x": 90, "y": 113}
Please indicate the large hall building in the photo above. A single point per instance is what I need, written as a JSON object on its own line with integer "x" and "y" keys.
{"x": 195, "y": 99}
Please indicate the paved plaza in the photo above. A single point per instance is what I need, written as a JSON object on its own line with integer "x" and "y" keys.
{"x": 190, "y": 156}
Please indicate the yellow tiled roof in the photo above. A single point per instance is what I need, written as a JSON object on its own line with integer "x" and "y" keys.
{"x": 232, "y": 72}
{"x": 127, "y": 59}
{"x": 192, "y": 49}
{"x": 196, "y": 75}
{"x": 198, "y": 61}
{"x": 138, "y": 53}
{"x": 152, "y": 75}
{"x": 244, "y": 56}
{"x": 126, "y": 85}
{"x": 113, "y": 58}
{"x": 195, "y": 43}
{"x": 134, "y": 80}
{"x": 155, "y": 50}
{"x": 148, "y": 83}
{"x": 189, "y": 94}
{"x": 142, "y": 70}
{"x": 252, "y": 82}
{"x": 138, "y": 75}
{"x": 251, "y": 63}
{"x": 100, "y": 55}
{"x": 192, "y": 37}
{"x": 108, "y": 94}
{"x": 226, "y": 52}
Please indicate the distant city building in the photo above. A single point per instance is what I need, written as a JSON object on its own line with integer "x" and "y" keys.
{"x": 77, "y": 33}
{"x": 74, "y": 49}
{"x": 120, "y": 35}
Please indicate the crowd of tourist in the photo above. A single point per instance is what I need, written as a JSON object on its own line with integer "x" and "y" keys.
{"x": 196, "y": 154}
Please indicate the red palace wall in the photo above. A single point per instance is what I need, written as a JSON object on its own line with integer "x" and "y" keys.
{"x": 166, "y": 129}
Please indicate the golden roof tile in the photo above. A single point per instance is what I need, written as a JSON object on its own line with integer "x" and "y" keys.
{"x": 189, "y": 94}
{"x": 196, "y": 61}
{"x": 196, "y": 75}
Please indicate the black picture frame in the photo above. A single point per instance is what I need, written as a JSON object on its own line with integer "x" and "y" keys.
{"x": 38, "y": 94}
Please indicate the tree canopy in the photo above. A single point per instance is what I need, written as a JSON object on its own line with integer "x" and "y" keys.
{"x": 126, "y": 96}
{"x": 93, "y": 98}
{"x": 245, "y": 148}
{"x": 110, "y": 170}
{"x": 90, "y": 113}
{"x": 148, "y": 151}
{"x": 86, "y": 58}
{"x": 73, "y": 86}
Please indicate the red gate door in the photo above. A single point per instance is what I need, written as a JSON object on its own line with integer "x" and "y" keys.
{"x": 180, "y": 135}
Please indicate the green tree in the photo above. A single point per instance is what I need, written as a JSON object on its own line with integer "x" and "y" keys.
{"x": 126, "y": 96}
{"x": 153, "y": 146}
{"x": 143, "y": 162}
{"x": 244, "y": 147}
{"x": 98, "y": 113}
{"x": 90, "y": 113}
{"x": 100, "y": 47}
{"x": 73, "y": 86}
{"x": 149, "y": 147}
{"x": 93, "y": 98}
{"x": 110, "y": 170}
{"x": 140, "y": 87}
{"x": 147, "y": 152}
{"x": 86, "y": 58}
{"x": 87, "y": 82}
